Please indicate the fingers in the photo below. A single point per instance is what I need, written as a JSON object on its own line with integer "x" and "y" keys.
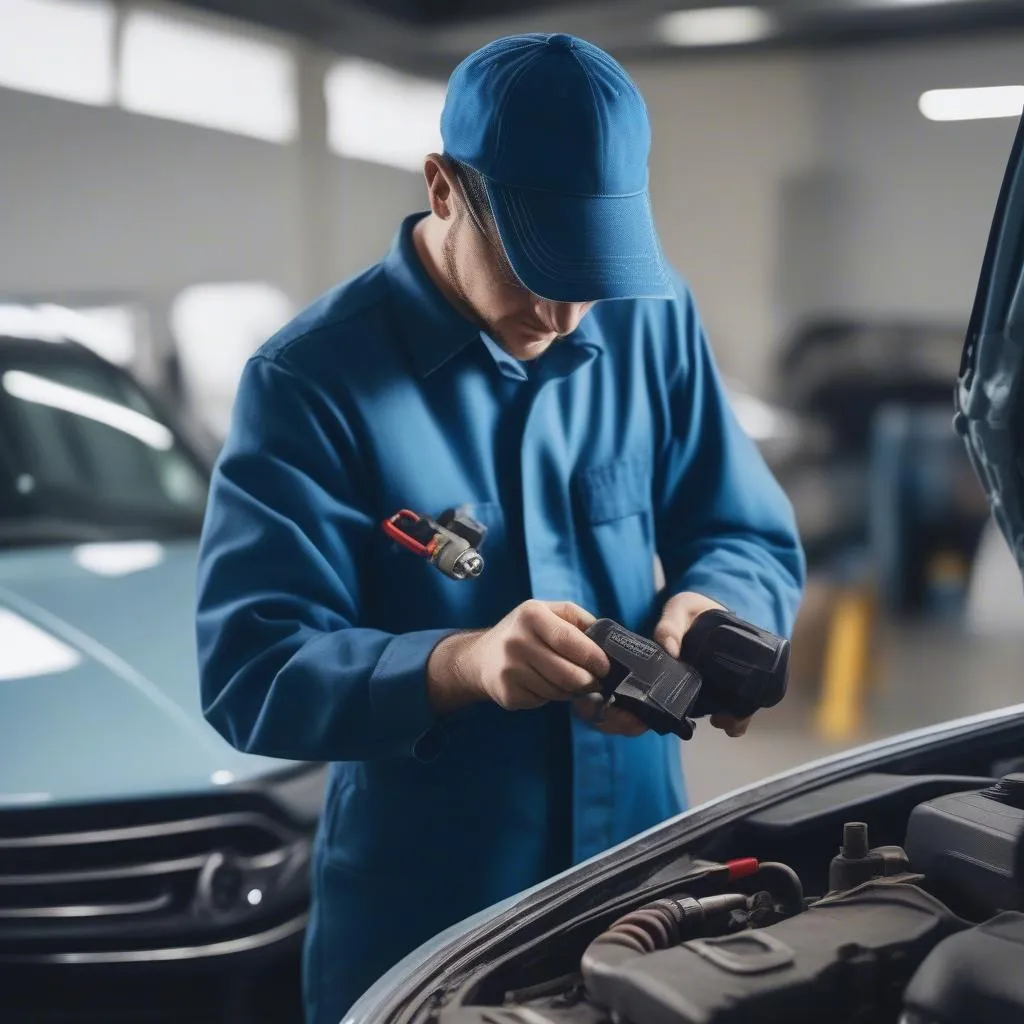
{"x": 608, "y": 719}
{"x": 621, "y": 723}
{"x": 558, "y": 625}
{"x": 677, "y": 616}
{"x": 734, "y": 727}
{"x": 669, "y": 633}
{"x": 563, "y": 678}
{"x": 571, "y": 613}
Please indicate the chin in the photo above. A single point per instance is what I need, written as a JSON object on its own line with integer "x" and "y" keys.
{"x": 525, "y": 343}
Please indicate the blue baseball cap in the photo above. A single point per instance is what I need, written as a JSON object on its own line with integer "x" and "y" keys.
{"x": 559, "y": 133}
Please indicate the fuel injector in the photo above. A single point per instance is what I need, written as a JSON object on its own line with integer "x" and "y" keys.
{"x": 451, "y": 542}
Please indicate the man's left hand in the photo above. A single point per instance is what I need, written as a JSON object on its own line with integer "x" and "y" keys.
{"x": 676, "y": 618}
{"x": 610, "y": 720}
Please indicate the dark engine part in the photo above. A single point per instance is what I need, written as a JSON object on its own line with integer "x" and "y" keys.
{"x": 971, "y": 847}
{"x": 667, "y": 922}
{"x": 972, "y": 978}
{"x": 856, "y": 862}
{"x": 846, "y": 957}
{"x": 725, "y": 665}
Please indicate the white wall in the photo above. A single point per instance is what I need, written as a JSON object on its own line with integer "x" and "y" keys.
{"x": 783, "y": 185}
{"x": 728, "y": 136}
{"x": 99, "y": 199}
{"x": 912, "y": 198}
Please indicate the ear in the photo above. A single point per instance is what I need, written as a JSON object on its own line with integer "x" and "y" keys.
{"x": 440, "y": 178}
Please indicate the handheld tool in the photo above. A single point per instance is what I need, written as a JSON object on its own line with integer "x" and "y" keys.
{"x": 451, "y": 542}
{"x": 726, "y": 665}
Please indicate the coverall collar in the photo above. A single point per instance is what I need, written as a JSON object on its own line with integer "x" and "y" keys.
{"x": 432, "y": 329}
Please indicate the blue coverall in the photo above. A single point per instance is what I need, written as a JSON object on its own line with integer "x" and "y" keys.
{"x": 314, "y": 628}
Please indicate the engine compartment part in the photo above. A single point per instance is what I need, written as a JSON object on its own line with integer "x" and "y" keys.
{"x": 856, "y": 862}
{"x": 972, "y": 978}
{"x": 846, "y": 952}
{"x": 903, "y": 935}
{"x": 971, "y": 846}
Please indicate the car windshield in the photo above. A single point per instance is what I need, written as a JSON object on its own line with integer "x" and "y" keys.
{"x": 84, "y": 455}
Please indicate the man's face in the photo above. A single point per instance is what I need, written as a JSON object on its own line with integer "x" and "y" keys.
{"x": 524, "y": 324}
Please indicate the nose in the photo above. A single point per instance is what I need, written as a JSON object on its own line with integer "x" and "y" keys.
{"x": 563, "y": 317}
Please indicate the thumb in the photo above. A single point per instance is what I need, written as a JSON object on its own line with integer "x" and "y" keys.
{"x": 669, "y": 633}
{"x": 572, "y": 613}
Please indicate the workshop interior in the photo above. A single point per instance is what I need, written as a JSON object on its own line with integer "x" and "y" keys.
{"x": 834, "y": 179}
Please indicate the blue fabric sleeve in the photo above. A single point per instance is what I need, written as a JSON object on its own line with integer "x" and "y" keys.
{"x": 285, "y": 669}
{"x": 725, "y": 528}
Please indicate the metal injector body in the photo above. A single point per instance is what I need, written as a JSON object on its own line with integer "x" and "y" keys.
{"x": 450, "y": 542}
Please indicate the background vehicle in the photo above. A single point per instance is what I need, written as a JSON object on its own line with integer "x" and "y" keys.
{"x": 130, "y": 832}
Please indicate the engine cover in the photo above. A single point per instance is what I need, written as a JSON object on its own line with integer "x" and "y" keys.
{"x": 972, "y": 978}
{"x": 845, "y": 957}
{"x": 971, "y": 847}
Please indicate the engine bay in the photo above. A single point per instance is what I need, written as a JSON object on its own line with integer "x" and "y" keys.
{"x": 879, "y": 899}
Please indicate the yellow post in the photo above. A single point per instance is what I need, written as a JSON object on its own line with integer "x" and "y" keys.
{"x": 840, "y": 709}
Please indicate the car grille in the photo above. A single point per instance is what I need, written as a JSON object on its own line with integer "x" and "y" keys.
{"x": 164, "y": 879}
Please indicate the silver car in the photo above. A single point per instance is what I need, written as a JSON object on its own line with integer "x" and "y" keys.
{"x": 130, "y": 832}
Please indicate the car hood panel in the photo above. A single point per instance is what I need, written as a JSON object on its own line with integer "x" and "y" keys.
{"x": 988, "y": 397}
{"x": 98, "y": 682}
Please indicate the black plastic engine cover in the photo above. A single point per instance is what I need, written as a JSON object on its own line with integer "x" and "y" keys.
{"x": 971, "y": 846}
{"x": 847, "y": 958}
{"x": 972, "y": 978}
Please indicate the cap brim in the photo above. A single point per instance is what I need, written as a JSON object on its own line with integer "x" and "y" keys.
{"x": 581, "y": 248}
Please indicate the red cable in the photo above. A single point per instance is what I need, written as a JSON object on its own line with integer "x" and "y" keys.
{"x": 742, "y": 868}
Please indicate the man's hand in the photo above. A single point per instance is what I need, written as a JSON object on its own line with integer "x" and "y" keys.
{"x": 676, "y": 617}
{"x": 539, "y": 652}
{"x": 611, "y": 720}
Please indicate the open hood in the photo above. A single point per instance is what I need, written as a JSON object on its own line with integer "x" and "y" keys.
{"x": 989, "y": 414}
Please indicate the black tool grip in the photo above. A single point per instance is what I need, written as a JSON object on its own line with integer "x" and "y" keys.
{"x": 646, "y": 680}
{"x": 726, "y": 665}
{"x": 744, "y": 668}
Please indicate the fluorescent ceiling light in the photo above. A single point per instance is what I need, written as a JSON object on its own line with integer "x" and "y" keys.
{"x": 182, "y": 71}
{"x": 108, "y": 330}
{"x": 382, "y": 116}
{"x": 715, "y": 26}
{"x": 119, "y": 559}
{"x": 30, "y": 388}
{"x": 60, "y": 48}
{"x": 972, "y": 104}
{"x": 26, "y": 650}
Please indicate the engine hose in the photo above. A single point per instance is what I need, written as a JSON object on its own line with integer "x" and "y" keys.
{"x": 667, "y": 922}
{"x": 658, "y": 925}
{"x": 793, "y": 901}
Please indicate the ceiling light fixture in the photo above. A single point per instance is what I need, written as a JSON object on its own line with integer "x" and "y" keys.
{"x": 972, "y": 104}
{"x": 715, "y": 26}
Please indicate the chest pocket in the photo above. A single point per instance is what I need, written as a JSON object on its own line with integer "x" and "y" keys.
{"x": 614, "y": 490}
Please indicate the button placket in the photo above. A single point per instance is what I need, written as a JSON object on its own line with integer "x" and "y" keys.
{"x": 552, "y": 579}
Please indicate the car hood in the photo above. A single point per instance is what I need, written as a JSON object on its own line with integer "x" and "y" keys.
{"x": 989, "y": 399}
{"x": 99, "y": 696}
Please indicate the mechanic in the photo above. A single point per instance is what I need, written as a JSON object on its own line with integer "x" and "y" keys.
{"x": 522, "y": 351}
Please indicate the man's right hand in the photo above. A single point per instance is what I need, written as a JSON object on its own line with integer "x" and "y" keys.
{"x": 539, "y": 652}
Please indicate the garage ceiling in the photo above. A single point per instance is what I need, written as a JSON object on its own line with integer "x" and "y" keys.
{"x": 432, "y": 35}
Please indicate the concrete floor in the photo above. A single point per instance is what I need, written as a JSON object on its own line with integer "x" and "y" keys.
{"x": 926, "y": 674}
